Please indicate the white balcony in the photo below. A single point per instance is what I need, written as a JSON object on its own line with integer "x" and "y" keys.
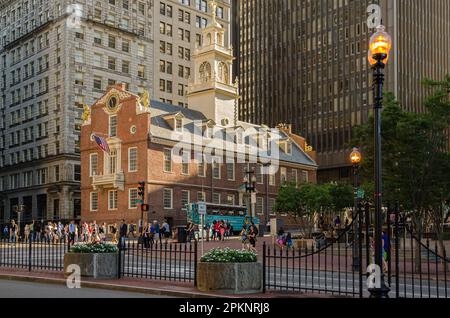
{"x": 109, "y": 181}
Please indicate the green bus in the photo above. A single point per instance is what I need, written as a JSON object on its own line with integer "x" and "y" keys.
{"x": 235, "y": 215}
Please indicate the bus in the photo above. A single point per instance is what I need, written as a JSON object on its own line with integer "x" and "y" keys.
{"x": 236, "y": 215}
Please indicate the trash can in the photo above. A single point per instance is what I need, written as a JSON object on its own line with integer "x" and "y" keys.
{"x": 181, "y": 234}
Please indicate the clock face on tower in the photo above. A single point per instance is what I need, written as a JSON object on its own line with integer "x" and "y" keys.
{"x": 112, "y": 103}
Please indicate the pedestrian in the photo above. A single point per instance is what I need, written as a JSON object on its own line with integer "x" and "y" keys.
{"x": 13, "y": 231}
{"x": 131, "y": 231}
{"x": 244, "y": 239}
{"x": 146, "y": 235}
{"x": 252, "y": 234}
{"x": 72, "y": 229}
{"x": 157, "y": 231}
{"x": 114, "y": 233}
{"x": 166, "y": 230}
{"x": 32, "y": 231}
{"x": 123, "y": 233}
{"x": 337, "y": 222}
{"x": 5, "y": 232}
{"x": 222, "y": 230}
{"x": 27, "y": 232}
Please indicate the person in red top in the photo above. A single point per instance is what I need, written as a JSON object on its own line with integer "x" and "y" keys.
{"x": 217, "y": 230}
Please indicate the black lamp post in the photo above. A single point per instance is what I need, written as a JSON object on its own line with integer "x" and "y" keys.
{"x": 378, "y": 55}
{"x": 250, "y": 185}
{"x": 355, "y": 158}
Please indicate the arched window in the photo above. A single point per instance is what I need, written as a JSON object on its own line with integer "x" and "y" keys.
{"x": 208, "y": 39}
{"x": 220, "y": 39}
{"x": 205, "y": 72}
{"x": 223, "y": 73}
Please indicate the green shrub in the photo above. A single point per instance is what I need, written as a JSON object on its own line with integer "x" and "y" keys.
{"x": 99, "y": 248}
{"x": 219, "y": 255}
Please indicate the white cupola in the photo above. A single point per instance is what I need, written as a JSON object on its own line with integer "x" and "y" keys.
{"x": 212, "y": 90}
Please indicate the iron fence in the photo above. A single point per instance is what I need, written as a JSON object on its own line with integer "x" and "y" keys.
{"x": 32, "y": 254}
{"x": 159, "y": 261}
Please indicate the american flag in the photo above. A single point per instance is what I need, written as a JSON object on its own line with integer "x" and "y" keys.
{"x": 102, "y": 143}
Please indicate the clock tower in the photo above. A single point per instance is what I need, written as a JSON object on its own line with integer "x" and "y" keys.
{"x": 212, "y": 90}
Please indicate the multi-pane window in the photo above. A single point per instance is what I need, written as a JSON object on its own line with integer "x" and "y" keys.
{"x": 283, "y": 175}
{"x": 260, "y": 175}
{"x": 271, "y": 206}
{"x": 113, "y": 126}
{"x": 201, "y": 196}
{"x": 305, "y": 177}
{"x": 230, "y": 171}
{"x": 132, "y": 159}
{"x": 216, "y": 198}
{"x": 259, "y": 205}
{"x": 167, "y": 160}
{"x": 94, "y": 201}
{"x": 185, "y": 163}
{"x": 132, "y": 198}
{"x": 93, "y": 164}
{"x": 201, "y": 169}
{"x": 230, "y": 199}
{"x": 168, "y": 199}
{"x": 112, "y": 200}
{"x": 216, "y": 169}
{"x": 77, "y": 173}
{"x": 185, "y": 199}
{"x": 294, "y": 176}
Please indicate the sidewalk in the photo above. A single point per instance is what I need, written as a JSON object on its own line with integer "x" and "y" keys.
{"x": 153, "y": 287}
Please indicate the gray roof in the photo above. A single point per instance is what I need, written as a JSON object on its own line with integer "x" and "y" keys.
{"x": 161, "y": 129}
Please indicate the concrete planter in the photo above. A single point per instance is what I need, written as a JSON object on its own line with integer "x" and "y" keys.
{"x": 97, "y": 266}
{"x": 230, "y": 278}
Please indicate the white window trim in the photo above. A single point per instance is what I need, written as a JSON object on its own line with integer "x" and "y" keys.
{"x": 109, "y": 201}
{"x": 234, "y": 172}
{"x": 262, "y": 205}
{"x": 220, "y": 169}
{"x": 185, "y": 163}
{"x": 188, "y": 198}
{"x": 129, "y": 199}
{"x": 219, "y": 198}
{"x": 171, "y": 199}
{"x": 109, "y": 125}
{"x": 164, "y": 161}
{"x": 283, "y": 173}
{"x": 129, "y": 161}
{"x": 90, "y": 164}
{"x": 90, "y": 202}
{"x": 203, "y": 195}
{"x": 203, "y": 175}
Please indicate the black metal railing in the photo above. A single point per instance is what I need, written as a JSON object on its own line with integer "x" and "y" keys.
{"x": 159, "y": 261}
{"x": 334, "y": 267}
{"x": 32, "y": 254}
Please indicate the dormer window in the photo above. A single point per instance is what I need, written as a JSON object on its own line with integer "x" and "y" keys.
{"x": 179, "y": 125}
{"x": 286, "y": 146}
{"x": 175, "y": 121}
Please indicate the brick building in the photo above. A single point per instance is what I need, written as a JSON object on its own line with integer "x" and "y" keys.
{"x": 185, "y": 155}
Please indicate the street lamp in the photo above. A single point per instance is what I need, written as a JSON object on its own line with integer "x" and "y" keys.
{"x": 355, "y": 158}
{"x": 250, "y": 185}
{"x": 379, "y": 47}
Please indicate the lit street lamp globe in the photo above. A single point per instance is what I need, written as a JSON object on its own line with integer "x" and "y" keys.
{"x": 379, "y": 46}
{"x": 355, "y": 156}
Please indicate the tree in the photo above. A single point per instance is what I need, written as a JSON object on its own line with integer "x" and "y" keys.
{"x": 415, "y": 162}
{"x": 342, "y": 195}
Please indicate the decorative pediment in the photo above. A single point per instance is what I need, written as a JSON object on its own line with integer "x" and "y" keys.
{"x": 113, "y": 99}
{"x": 175, "y": 121}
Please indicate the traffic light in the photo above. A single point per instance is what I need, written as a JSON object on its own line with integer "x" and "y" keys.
{"x": 141, "y": 192}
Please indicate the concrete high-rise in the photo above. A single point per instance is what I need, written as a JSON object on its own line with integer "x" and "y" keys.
{"x": 56, "y": 56}
{"x": 305, "y": 63}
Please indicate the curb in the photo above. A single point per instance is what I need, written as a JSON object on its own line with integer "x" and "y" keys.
{"x": 98, "y": 285}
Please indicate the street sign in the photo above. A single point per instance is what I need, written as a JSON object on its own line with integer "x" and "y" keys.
{"x": 202, "y": 208}
{"x": 360, "y": 194}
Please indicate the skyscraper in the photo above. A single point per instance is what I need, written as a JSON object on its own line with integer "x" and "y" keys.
{"x": 178, "y": 28}
{"x": 56, "y": 56}
{"x": 305, "y": 63}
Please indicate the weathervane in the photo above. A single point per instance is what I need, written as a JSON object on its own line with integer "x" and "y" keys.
{"x": 86, "y": 113}
{"x": 145, "y": 99}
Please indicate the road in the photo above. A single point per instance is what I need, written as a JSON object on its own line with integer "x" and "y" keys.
{"x": 287, "y": 278}
{"x": 18, "y": 289}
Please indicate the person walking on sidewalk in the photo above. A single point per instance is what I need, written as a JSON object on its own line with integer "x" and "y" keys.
{"x": 166, "y": 230}
{"x": 72, "y": 228}
{"x": 123, "y": 232}
{"x": 13, "y": 232}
